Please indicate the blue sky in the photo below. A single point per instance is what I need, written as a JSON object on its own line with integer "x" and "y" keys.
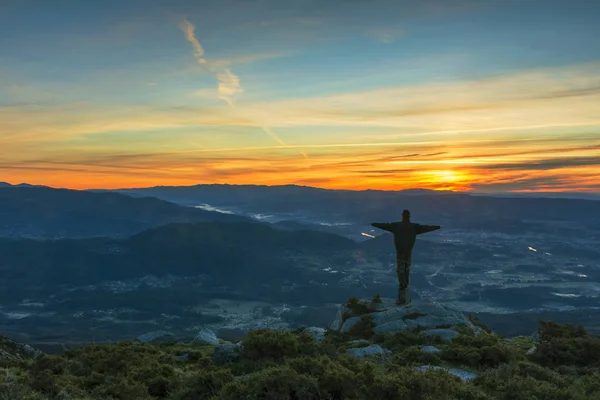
{"x": 115, "y": 93}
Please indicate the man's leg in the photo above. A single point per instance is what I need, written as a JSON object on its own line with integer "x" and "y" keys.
{"x": 403, "y": 271}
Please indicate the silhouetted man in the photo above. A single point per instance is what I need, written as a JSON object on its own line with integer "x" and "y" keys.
{"x": 405, "y": 235}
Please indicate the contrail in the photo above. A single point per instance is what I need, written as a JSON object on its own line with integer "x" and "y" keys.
{"x": 273, "y": 135}
{"x": 229, "y": 84}
{"x": 229, "y": 87}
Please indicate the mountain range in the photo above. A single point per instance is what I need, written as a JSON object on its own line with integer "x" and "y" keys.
{"x": 346, "y": 212}
{"x": 48, "y": 213}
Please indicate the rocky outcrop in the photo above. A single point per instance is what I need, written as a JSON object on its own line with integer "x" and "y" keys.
{"x": 11, "y": 350}
{"x": 389, "y": 318}
{"x": 206, "y": 337}
{"x": 318, "y": 334}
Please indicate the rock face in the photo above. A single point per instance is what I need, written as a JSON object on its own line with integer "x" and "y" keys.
{"x": 206, "y": 336}
{"x": 419, "y": 314}
{"x": 157, "y": 337}
{"x": 14, "y": 351}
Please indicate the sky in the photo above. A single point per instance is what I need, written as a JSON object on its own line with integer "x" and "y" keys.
{"x": 486, "y": 96}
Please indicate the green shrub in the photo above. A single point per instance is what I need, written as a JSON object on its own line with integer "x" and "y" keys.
{"x": 280, "y": 383}
{"x": 475, "y": 321}
{"x": 121, "y": 389}
{"x": 335, "y": 380}
{"x": 405, "y": 383}
{"x": 413, "y": 356}
{"x": 558, "y": 351}
{"x": 549, "y": 330}
{"x": 524, "y": 381}
{"x": 363, "y": 329}
{"x": 587, "y": 387}
{"x": 480, "y": 351}
{"x": 401, "y": 340}
{"x": 276, "y": 345}
{"x": 483, "y": 357}
{"x": 247, "y": 366}
{"x": 14, "y": 390}
{"x": 357, "y": 307}
{"x": 202, "y": 385}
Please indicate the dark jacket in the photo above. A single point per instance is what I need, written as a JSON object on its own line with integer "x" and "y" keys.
{"x": 405, "y": 233}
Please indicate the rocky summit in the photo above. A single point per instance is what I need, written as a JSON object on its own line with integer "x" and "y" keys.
{"x": 387, "y": 317}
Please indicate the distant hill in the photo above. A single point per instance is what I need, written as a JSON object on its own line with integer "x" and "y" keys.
{"x": 231, "y": 253}
{"x": 450, "y": 209}
{"x": 241, "y": 256}
{"x": 42, "y": 212}
{"x": 235, "y": 194}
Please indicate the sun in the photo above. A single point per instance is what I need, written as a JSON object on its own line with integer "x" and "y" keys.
{"x": 446, "y": 176}
{"x": 444, "y": 179}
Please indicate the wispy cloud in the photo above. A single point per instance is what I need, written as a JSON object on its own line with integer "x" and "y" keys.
{"x": 229, "y": 87}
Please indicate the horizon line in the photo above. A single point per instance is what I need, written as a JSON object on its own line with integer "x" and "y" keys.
{"x": 431, "y": 191}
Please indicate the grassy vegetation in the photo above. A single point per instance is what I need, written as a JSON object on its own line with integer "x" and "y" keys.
{"x": 357, "y": 307}
{"x": 290, "y": 365}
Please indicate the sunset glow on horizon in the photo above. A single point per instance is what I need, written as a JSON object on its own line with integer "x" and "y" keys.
{"x": 464, "y": 95}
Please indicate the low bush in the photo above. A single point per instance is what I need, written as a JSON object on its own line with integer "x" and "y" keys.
{"x": 276, "y": 345}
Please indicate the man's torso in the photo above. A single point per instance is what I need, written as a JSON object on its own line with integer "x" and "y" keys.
{"x": 405, "y": 236}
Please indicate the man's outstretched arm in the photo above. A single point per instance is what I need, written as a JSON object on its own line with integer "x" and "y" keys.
{"x": 386, "y": 226}
{"x": 427, "y": 228}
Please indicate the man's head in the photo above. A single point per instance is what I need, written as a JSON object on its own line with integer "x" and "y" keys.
{"x": 406, "y": 215}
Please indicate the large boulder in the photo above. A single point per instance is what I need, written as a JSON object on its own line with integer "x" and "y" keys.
{"x": 317, "y": 333}
{"x": 373, "y": 350}
{"x": 430, "y": 349}
{"x": 206, "y": 336}
{"x": 389, "y": 318}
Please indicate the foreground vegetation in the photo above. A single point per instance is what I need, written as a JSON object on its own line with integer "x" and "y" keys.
{"x": 290, "y": 365}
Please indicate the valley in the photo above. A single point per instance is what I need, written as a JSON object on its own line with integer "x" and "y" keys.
{"x": 293, "y": 269}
